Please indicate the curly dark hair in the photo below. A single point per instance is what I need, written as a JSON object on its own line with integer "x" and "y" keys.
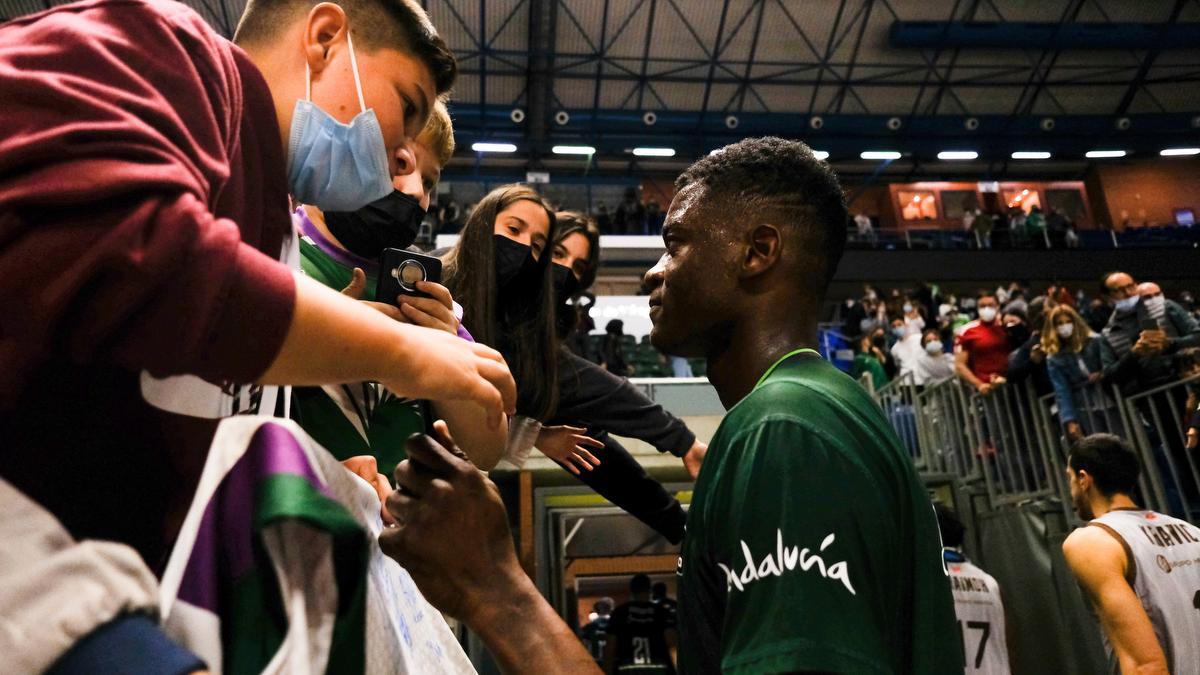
{"x": 780, "y": 179}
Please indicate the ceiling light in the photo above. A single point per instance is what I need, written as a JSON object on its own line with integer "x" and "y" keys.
{"x": 1180, "y": 152}
{"x": 1101, "y": 154}
{"x": 654, "y": 152}
{"x": 880, "y": 154}
{"x": 958, "y": 154}
{"x": 573, "y": 150}
{"x": 1027, "y": 154}
{"x": 494, "y": 147}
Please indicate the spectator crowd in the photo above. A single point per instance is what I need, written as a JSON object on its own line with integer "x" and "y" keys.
{"x": 1128, "y": 335}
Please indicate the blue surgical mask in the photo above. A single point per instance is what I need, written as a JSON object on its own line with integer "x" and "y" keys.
{"x": 335, "y": 166}
{"x": 1127, "y": 305}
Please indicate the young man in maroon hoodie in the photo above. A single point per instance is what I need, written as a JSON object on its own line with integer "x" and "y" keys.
{"x": 145, "y": 168}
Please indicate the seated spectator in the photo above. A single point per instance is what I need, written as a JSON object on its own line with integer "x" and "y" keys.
{"x": 982, "y": 349}
{"x": 1072, "y": 361}
{"x": 934, "y": 365}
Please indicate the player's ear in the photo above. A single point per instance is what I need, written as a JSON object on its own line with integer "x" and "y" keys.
{"x": 764, "y": 246}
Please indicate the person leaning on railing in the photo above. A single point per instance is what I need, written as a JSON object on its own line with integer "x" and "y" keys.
{"x": 1072, "y": 361}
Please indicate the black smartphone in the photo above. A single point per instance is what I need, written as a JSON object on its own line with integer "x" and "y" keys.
{"x": 399, "y": 272}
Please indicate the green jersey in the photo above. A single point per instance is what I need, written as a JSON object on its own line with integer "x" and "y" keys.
{"x": 353, "y": 419}
{"x": 811, "y": 544}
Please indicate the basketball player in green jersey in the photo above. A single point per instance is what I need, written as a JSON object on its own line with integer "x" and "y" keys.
{"x": 811, "y": 544}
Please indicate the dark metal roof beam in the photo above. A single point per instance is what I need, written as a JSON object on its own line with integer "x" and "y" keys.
{"x": 540, "y": 80}
{"x": 1149, "y": 59}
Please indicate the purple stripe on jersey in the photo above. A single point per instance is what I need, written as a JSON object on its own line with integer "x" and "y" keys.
{"x": 226, "y": 534}
{"x": 342, "y": 256}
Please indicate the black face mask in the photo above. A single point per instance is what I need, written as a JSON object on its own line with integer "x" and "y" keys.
{"x": 1018, "y": 333}
{"x": 516, "y": 269}
{"x": 566, "y": 286}
{"x": 565, "y": 283}
{"x": 392, "y": 221}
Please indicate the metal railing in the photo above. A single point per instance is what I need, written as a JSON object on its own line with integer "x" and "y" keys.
{"x": 1157, "y": 421}
{"x": 947, "y": 436}
{"x": 899, "y": 401}
{"x": 1011, "y": 440}
{"x": 1015, "y": 451}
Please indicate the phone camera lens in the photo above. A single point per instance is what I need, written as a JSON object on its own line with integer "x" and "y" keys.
{"x": 409, "y": 273}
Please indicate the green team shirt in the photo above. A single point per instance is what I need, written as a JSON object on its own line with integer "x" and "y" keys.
{"x": 811, "y": 544}
{"x": 354, "y": 419}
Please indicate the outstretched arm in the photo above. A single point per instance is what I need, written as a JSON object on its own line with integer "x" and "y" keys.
{"x": 474, "y": 575}
{"x": 1098, "y": 560}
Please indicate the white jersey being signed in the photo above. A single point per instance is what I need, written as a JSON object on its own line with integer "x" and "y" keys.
{"x": 1164, "y": 570}
{"x": 980, "y": 618}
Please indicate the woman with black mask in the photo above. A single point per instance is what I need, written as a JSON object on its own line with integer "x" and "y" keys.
{"x": 501, "y": 272}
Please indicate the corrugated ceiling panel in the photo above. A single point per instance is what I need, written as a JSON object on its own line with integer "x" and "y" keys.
{"x": 457, "y": 21}
{"x": 885, "y": 100}
{"x": 574, "y": 92}
{"x": 672, "y": 37}
{"x": 466, "y": 89}
{"x": 739, "y": 30}
{"x": 918, "y": 10}
{"x": 784, "y": 98}
{"x": 979, "y": 100}
{"x": 781, "y": 41}
{"x": 1177, "y": 98}
{"x": 627, "y": 21}
{"x": 677, "y": 96}
{"x": 1124, "y": 10}
{"x": 578, "y": 26}
{"x": 616, "y": 94}
{"x": 508, "y": 24}
{"x": 1088, "y": 99}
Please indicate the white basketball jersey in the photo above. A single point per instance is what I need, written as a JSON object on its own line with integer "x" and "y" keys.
{"x": 980, "y": 618}
{"x": 1164, "y": 566}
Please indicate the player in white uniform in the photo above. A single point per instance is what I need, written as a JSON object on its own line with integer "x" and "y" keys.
{"x": 1140, "y": 569}
{"x": 977, "y": 602}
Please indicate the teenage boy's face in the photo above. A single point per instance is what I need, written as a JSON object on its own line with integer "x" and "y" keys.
{"x": 398, "y": 87}
{"x": 421, "y": 183}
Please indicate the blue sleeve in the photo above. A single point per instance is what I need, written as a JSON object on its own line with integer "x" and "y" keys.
{"x": 1063, "y": 395}
{"x": 131, "y": 644}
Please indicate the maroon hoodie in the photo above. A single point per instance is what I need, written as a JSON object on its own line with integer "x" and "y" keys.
{"x": 143, "y": 207}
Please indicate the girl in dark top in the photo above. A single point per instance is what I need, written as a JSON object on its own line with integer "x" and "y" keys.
{"x": 512, "y": 226}
{"x": 501, "y": 276}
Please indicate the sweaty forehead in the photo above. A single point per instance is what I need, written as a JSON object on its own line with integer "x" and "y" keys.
{"x": 688, "y": 210}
